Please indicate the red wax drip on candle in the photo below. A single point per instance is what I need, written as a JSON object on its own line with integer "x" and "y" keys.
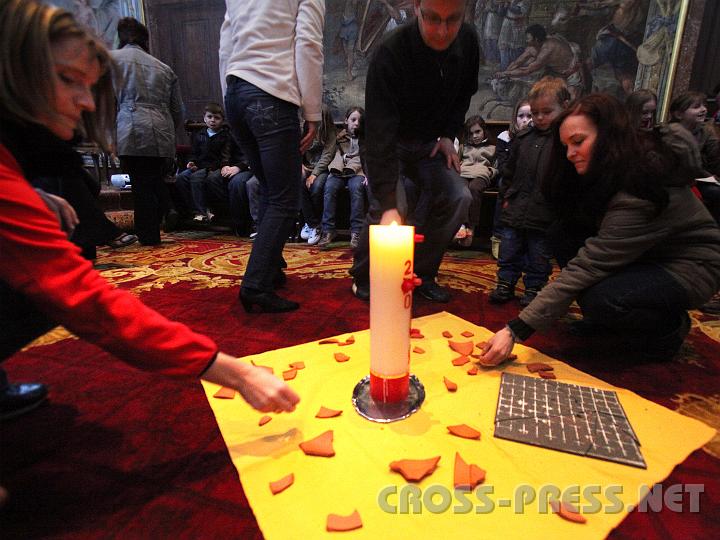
{"x": 389, "y": 389}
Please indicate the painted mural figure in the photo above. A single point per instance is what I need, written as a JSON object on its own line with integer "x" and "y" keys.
{"x": 348, "y": 34}
{"x": 494, "y": 14}
{"x": 511, "y": 40}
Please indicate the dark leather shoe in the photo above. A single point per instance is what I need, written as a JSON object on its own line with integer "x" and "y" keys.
{"x": 279, "y": 280}
{"x": 504, "y": 292}
{"x": 19, "y": 398}
{"x": 361, "y": 291}
{"x": 433, "y": 292}
{"x": 326, "y": 239}
{"x": 267, "y": 302}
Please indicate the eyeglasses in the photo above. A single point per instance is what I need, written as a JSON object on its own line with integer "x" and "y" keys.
{"x": 433, "y": 19}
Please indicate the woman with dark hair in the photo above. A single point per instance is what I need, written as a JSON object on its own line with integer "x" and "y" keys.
{"x": 55, "y": 78}
{"x": 639, "y": 248}
{"x": 641, "y": 106}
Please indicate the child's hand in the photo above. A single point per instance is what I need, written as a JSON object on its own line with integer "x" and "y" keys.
{"x": 191, "y": 165}
{"x": 446, "y": 147}
{"x": 306, "y": 141}
{"x": 229, "y": 170}
{"x": 309, "y": 180}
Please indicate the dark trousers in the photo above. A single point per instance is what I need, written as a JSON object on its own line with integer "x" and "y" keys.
{"x": 311, "y": 200}
{"x": 524, "y": 250}
{"x": 150, "y": 194}
{"x": 268, "y": 132}
{"x": 447, "y": 198}
{"x": 20, "y": 322}
{"x": 192, "y": 185}
{"x": 239, "y": 201}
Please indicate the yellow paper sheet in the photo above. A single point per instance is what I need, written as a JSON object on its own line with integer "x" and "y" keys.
{"x": 356, "y": 477}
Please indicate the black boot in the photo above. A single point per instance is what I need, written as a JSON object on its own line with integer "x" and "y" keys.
{"x": 267, "y": 302}
{"x": 19, "y": 398}
{"x": 529, "y": 296}
{"x": 504, "y": 292}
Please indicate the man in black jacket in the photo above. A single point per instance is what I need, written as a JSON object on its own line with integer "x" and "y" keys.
{"x": 418, "y": 90}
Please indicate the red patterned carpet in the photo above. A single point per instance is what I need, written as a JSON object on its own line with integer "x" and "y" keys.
{"x": 118, "y": 453}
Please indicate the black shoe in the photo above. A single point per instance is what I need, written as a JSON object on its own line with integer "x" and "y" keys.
{"x": 172, "y": 219}
{"x": 529, "y": 296}
{"x": 504, "y": 292}
{"x": 267, "y": 302}
{"x": 667, "y": 346}
{"x": 361, "y": 291}
{"x": 19, "y": 398}
{"x": 326, "y": 238}
{"x": 433, "y": 292}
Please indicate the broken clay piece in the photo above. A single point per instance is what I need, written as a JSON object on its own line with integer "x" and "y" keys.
{"x": 225, "y": 393}
{"x": 447, "y": 334}
{"x": 297, "y": 365}
{"x": 328, "y": 341}
{"x": 460, "y": 361}
{"x": 472, "y": 371}
{"x": 414, "y": 470}
{"x": 547, "y": 375}
{"x": 336, "y": 523}
{"x": 567, "y": 511}
{"x": 324, "y": 412}
{"x": 467, "y": 333}
{"x": 534, "y": 367}
{"x": 348, "y": 341}
{"x": 266, "y": 368}
{"x": 464, "y": 431}
{"x": 461, "y": 347}
{"x": 451, "y": 386}
{"x": 264, "y": 420}
{"x": 481, "y": 344}
{"x": 340, "y": 357}
{"x": 322, "y": 445}
{"x": 418, "y": 350}
{"x": 282, "y": 484}
{"x": 467, "y": 476}
{"x": 289, "y": 374}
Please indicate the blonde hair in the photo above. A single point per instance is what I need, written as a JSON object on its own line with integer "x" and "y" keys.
{"x": 550, "y": 86}
{"x": 28, "y": 31}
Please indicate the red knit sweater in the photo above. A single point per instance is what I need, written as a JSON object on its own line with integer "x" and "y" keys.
{"x": 38, "y": 261}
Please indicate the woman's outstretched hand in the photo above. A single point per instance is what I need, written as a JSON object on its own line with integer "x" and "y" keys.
{"x": 498, "y": 347}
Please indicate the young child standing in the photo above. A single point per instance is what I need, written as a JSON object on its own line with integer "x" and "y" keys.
{"x": 345, "y": 168}
{"x": 525, "y": 213}
{"x": 477, "y": 157}
{"x": 211, "y": 149}
{"x": 522, "y": 118}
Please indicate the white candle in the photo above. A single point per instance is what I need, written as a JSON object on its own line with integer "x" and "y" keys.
{"x": 391, "y": 262}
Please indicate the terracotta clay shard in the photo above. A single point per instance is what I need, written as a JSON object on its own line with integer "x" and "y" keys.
{"x": 460, "y": 361}
{"x": 451, "y": 386}
{"x": 567, "y": 511}
{"x": 415, "y": 331}
{"x": 289, "y": 374}
{"x": 340, "y": 357}
{"x": 481, "y": 360}
{"x": 418, "y": 350}
{"x": 547, "y": 375}
{"x": 534, "y": 367}
{"x": 447, "y": 334}
{"x": 467, "y": 333}
{"x": 512, "y": 356}
{"x": 348, "y": 341}
{"x": 416, "y": 336}
{"x": 282, "y": 484}
{"x": 266, "y": 368}
{"x": 297, "y": 365}
{"x": 464, "y": 431}
{"x": 225, "y": 393}
{"x": 264, "y": 420}
{"x": 322, "y": 445}
{"x": 343, "y": 523}
{"x": 461, "y": 347}
{"x": 467, "y": 476}
{"x": 481, "y": 344}
{"x": 328, "y": 341}
{"x": 414, "y": 470}
{"x": 472, "y": 371}
{"x": 324, "y": 412}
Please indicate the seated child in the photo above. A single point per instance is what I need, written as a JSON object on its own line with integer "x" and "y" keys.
{"x": 345, "y": 168}
{"x": 477, "y": 157}
{"x": 314, "y": 174}
{"x": 210, "y": 147}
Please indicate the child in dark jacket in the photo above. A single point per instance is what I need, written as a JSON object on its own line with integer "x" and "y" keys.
{"x": 526, "y": 215}
{"x": 211, "y": 148}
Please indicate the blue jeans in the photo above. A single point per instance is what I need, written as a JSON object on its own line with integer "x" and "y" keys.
{"x": 447, "y": 198}
{"x": 268, "y": 132}
{"x": 524, "y": 250}
{"x": 642, "y": 300}
{"x": 311, "y": 200}
{"x": 357, "y": 202}
{"x": 191, "y": 186}
{"x": 238, "y": 200}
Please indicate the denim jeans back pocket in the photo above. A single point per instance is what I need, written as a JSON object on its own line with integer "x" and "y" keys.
{"x": 262, "y": 114}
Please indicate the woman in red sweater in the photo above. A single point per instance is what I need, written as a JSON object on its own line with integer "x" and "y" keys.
{"x": 55, "y": 80}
